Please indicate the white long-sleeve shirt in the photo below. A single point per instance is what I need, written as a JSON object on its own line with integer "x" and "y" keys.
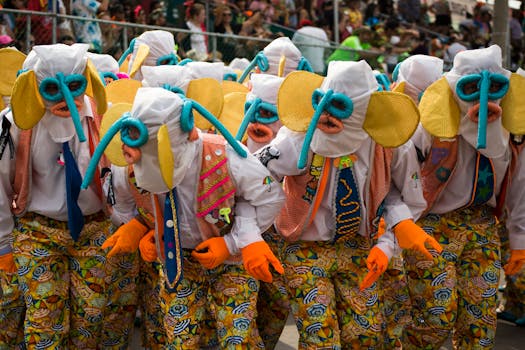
{"x": 48, "y": 181}
{"x": 458, "y": 191}
{"x": 256, "y": 203}
{"x": 405, "y": 200}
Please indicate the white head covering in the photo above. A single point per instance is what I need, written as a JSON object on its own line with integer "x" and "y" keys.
{"x": 104, "y": 63}
{"x": 472, "y": 62}
{"x": 265, "y": 87}
{"x": 156, "y": 107}
{"x": 357, "y": 81}
{"x": 239, "y": 63}
{"x": 157, "y": 76}
{"x": 160, "y": 43}
{"x": 213, "y": 70}
{"x": 46, "y": 62}
{"x": 282, "y": 47}
{"x": 418, "y": 72}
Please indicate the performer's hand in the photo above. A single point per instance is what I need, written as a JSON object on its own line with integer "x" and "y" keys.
{"x": 7, "y": 263}
{"x": 377, "y": 262}
{"x": 147, "y": 247}
{"x": 257, "y": 258}
{"x": 516, "y": 261}
{"x": 411, "y": 236}
{"x": 212, "y": 252}
{"x": 126, "y": 239}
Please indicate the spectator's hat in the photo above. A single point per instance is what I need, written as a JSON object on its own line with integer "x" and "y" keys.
{"x": 12, "y": 61}
{"x": 339, "y": 112}
{"x": 280, "y": 58}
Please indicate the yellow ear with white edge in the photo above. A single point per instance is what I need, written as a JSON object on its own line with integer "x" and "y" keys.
{"x": 229, "y": 86}
{"x": 400, "y": 87}
{"x": 294, "y": 99}
{"x": 513, "y": 116}
{"x": 207, "y": 92}
{"x": 233, "y": 112}
{"x": 114, "y": 149}
{"x": 95, "y": 87}
{"x": 140, "y": 57}
{"x": 26, "y": 103}
{"x": 122, "y": 90}
{"x": 440, "y": 114}
{"x": 391, "y": 118}
{"x": 12, "y": 61}
{"x": 166, "y": 162}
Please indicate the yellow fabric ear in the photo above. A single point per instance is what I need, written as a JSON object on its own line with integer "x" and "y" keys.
{"x": 26, "y": 103}
{"x": 439, "y": 110}
{"x": 513, "y": 117}
{"x": 166, "y": 161}
{"x": 142, "y": 53}
{"x": 123, "y": 90}
{"x": 232, "y": 86}
{"x": 124, "y": 67}
{"x": 114, "y": 149}
{"x": 95, "y": 88}
{"x": 294, "y": 99}
{"x": 12, "y": 61}
{"x": 207, "y": 92}
{"x": 400, "y": 87}
{"x": 233, "y": 112}
{"x": 282, "y": 62}
{"x": 391, "y": 118}
{"x": 2, "y": 106}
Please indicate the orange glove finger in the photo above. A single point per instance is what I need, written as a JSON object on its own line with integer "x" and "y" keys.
{"x": 203, "y": 246}
{"x": 513, "y": 267}
{"x": 147, "y": 247}
{"x": 115, "y": 250}
{"x": 423, "y": 250}
{"x": 435, "y": 244}
{"x": 262, "y": 273}
{"x": 276, "y": 264}
{"x": 205, "y": 259}
{"x": 110, "y": 242}
{"x": 369, "y": 279}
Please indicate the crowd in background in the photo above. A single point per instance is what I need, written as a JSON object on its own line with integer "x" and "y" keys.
{"x": 388, "y": 30}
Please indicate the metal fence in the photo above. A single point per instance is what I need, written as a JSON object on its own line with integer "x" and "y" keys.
{"x": 40, "y": 28}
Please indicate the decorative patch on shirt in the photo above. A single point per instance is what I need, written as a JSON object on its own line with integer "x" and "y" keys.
{"x": 316, "y": 169}
{"x": 267, "y": 181}
{"x": 345, "y": 161}
{"x": 415, "y": 178}
{"x": 268, "y": 153}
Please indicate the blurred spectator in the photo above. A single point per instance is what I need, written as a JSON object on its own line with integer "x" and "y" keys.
{"x": 111, "y": 40}
{"x": 386, "y": 7}
{"x": 42, "y": 26}
{"x": 197, "y": 43}
{"x": 516, "y": 39}
{"x": 355, "y": 17}
{"x": 239, "y": 15}
{"x": 66, "y": 40}
{"x": 6, "y": 41}
{"x": 450, "y": 52}
{"x": 372, "y": 15}
{"x": 253, "y": 27}
{"x": 222, "y": 24}
{"x": 441, "y": 10}
{"x": 482, "y": 18}
{"x": 139, "y": 17}
{"x": 409, "y": 10}
{"x": 87, "y": 31}
{"x": 325, "y": 9}
{"x": 293, "y": 17}
{"x": 157, "y": 17}
{"x": 359, "y": 40}
{"x": 265, "y": 7}
{"x": 308, "y": 34}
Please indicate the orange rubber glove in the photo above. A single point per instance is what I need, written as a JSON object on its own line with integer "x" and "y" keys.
{"x": 7, "y": 263}
{"x": 411, "y": 236}
{"x": 126, "y": 239}
{"x": 516, "y": 261}
{"x": 257, "y": 258}
{"x": 377, "y": 262}
{"x": 147, "y": 247}
{"x": 212, "y": 252}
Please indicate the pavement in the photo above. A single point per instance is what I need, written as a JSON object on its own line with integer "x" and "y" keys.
{"x": 508, "y": 337}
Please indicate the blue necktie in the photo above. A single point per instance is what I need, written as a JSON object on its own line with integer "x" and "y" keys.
{"x": 347, "y": 204}
{"x": 75, "y": 218}
{"x": 172, "y": 246}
